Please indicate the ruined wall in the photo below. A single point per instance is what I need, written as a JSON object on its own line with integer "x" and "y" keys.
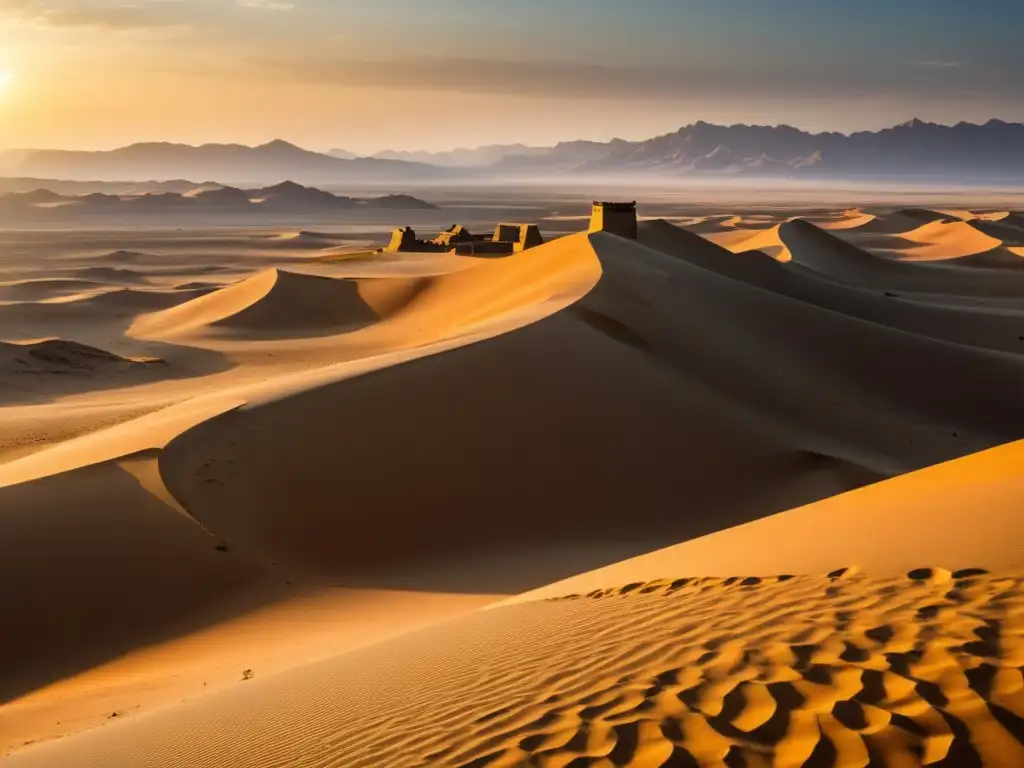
{"x": 402, "y": 239}
{"x": 617, "y": 218}
{"x": 522, "y": 235}
{"x": 454, "y": 234}
{"x": 487, "y": 248}
{"x": 529, "y": 237}
{"x": 506, "y": 233}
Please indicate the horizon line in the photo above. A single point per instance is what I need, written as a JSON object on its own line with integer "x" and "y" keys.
{"x": 371, "y": 156}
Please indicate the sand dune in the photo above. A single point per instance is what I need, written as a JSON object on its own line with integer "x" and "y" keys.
{"x": 43, "y": 289}
{"x": 921, "y": 515}
{"x": 962, "y": 325}
{"x": 124, "y": 552}
{"x": 31, "y": 371}
{"x": 95, "y": 318}
{"x": 685, "y": 392}
{"x": 353, "y": 450}
{"x": 918, "y": 667}
{"x": 684, "y": 672}
{"x": 131, "y": 511}
{"x": 952, "y": 240}
{"x": 60, "y": 356}
{"x": 828, "y": 255}
{"x": 281, "y": 303}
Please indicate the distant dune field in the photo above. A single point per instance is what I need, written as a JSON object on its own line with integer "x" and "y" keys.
{"x": 746, "y": 490}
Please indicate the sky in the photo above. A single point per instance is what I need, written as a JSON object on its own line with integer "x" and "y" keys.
{"x": 367, "y": 75}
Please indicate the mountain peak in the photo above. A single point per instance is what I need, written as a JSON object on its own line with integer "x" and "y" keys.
{"x": 285, "y": 186}
{"x": 280, "y": 145}
{"x": 914, "y": 122}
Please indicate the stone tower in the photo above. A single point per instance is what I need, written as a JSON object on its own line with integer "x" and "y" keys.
{"x": 617, "y": 218}
{"x": 402, "y": 239}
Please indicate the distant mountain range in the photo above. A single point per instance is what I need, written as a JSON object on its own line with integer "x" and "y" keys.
{"x": 912, "y": 149}
{"x": 64, "y": 187}
{"x": 287, "y": 197}
{"x": 967, "y": 152}
{"x": 227, "y": 163}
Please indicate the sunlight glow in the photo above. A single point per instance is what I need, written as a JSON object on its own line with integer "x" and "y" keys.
{"x": 5, "y": 80}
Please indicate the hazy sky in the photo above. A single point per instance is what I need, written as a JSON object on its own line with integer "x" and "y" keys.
{"x": 433, "y": 74}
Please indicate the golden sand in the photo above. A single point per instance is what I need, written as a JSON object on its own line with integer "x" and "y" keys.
{"x": 254, "y": 499}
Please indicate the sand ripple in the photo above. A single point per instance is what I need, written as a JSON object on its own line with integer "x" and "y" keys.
{"x": 843, "y": 669}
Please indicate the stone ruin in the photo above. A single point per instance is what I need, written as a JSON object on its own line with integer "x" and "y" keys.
{"x": 522, "y": 236}
{"x": 507, "y": 238}
{"x": 403, "y": 239}
{"x": 617, "y": 218}
{"x": 453, "y": 235}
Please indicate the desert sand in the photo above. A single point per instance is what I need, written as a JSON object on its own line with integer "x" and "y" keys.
{"x": 743, "y": 491}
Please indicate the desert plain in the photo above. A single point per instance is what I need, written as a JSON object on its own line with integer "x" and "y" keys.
{"x": 744, "y": 491}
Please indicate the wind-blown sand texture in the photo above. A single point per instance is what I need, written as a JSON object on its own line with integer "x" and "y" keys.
{"x": 228, "y": 455}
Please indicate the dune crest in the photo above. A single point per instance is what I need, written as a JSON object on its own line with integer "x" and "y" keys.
{"x": 277, "y": 302}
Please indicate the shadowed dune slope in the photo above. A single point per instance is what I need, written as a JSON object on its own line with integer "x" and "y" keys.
{"x": 961, "y": 513}
{"x": 716, "y": 386}
{"x": 828, "y": 255}
{"x": 88, "y": 548}
{"x": 913, "y": 668}
{"x": 957, "y": 324}
{"x": 821, "y": 370}
{"x": 90, "y": 535}
{"x": 60, "y": 356}
{"x": 37, "y": 370}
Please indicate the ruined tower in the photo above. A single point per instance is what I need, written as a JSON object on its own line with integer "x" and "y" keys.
{"x": 617, "y": 218}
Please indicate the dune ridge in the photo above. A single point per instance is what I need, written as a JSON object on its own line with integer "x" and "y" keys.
{"x": 960, "y": 324}
{"x": 279, "y": 302}
{"x": 833, "y": 257}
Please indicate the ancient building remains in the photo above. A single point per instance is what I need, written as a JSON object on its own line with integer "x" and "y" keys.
{"x": 522, "y": 236}
{"x": 404, "y": 239}
{"x": 453, "y": 235}
{"x": 617, "y": 218}
{"x": 507, "y": 238}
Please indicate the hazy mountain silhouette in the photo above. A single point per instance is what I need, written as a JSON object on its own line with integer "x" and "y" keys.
{"x": 965, "y": 151}
{"x": 287, "y": 197}
{"x": 229, "y": 163}
{"x": 915, "y": 148}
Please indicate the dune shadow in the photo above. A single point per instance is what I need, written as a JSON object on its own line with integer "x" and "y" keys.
{"x": 93, "y": 566}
